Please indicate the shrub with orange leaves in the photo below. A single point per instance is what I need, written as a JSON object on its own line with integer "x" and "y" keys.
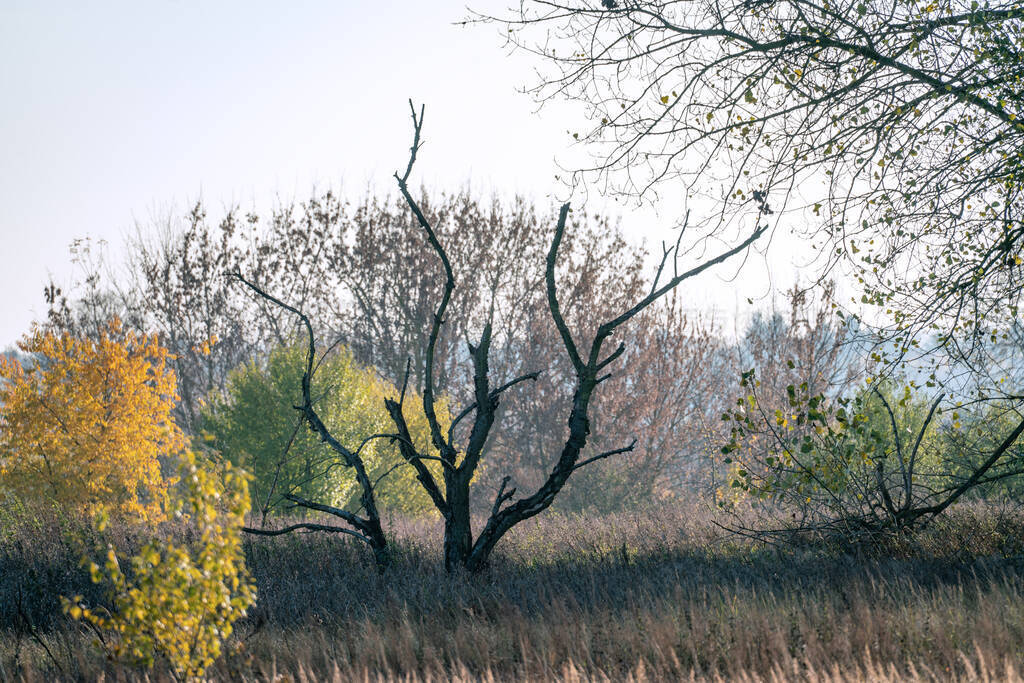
{"x": 87, "y": 422}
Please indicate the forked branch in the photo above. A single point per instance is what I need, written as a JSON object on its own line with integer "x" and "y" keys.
{"x": 369, "y": 527}
{"x": 444, "y": 447}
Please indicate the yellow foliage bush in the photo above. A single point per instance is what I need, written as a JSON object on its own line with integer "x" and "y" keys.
{"x": 87, "y": 424}
{"x": 179, "y": 602}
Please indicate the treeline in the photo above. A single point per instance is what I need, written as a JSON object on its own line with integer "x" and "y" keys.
{"x": 365, "y": 276}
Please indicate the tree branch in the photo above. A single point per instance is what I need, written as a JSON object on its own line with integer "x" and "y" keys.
{"x": 494, "y": 394}
{"x": 553, "y": 307}
{"x": 370, "y": 526}
{"x": 310, "y": 526}
{"x": 442, "y": 446}
{"x": 606, "y": 454}
{"x": 502, "y": 495}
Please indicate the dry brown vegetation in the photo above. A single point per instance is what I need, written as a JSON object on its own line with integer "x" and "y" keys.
{"x": 656, "y": 595}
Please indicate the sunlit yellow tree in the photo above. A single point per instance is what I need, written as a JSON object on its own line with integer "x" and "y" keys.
{"x": 87, "y": 422}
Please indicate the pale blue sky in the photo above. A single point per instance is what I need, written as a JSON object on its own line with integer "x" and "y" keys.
{"x": 115, "y": 112}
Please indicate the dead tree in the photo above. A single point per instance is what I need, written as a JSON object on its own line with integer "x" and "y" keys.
{"x": 460, "y": 458}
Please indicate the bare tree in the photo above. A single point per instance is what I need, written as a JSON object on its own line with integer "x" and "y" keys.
{"x": 893, "y": 130}
{"x": 176, "y": 282}
{"x": 460, "y": 458}
{"x": 389, "y": 273}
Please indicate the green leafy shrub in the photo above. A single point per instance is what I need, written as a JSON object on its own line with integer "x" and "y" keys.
{"x": 179, "y": 602}
{"x": 874, "y": 460}
{"x": 253, "y": 423}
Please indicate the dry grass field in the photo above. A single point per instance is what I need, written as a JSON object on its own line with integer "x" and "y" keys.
{"x": 659, "y": 595}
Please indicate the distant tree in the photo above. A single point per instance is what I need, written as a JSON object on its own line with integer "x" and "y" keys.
{"x": 460, "y": 453}
{"x": 808, "y": 343}
{"x": 95, "y": 298}
{"x": 177, "y": 283}
{"x": 389, "y": 272}
{"x": 88, "y": 424}
{"x": 181, "y": 292}
{"x": 254, "y": 424}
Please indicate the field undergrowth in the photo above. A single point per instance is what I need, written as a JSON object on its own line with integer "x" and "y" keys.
{"x": 655, "y": 595}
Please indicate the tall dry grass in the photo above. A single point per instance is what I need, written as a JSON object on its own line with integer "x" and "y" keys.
{"x": 659, "y": 595}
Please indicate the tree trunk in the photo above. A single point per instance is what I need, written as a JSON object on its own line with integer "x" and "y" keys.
{"x": 458, "y": 534}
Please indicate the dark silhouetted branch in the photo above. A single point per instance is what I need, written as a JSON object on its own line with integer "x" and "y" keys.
{"x": 606, "y": 454}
